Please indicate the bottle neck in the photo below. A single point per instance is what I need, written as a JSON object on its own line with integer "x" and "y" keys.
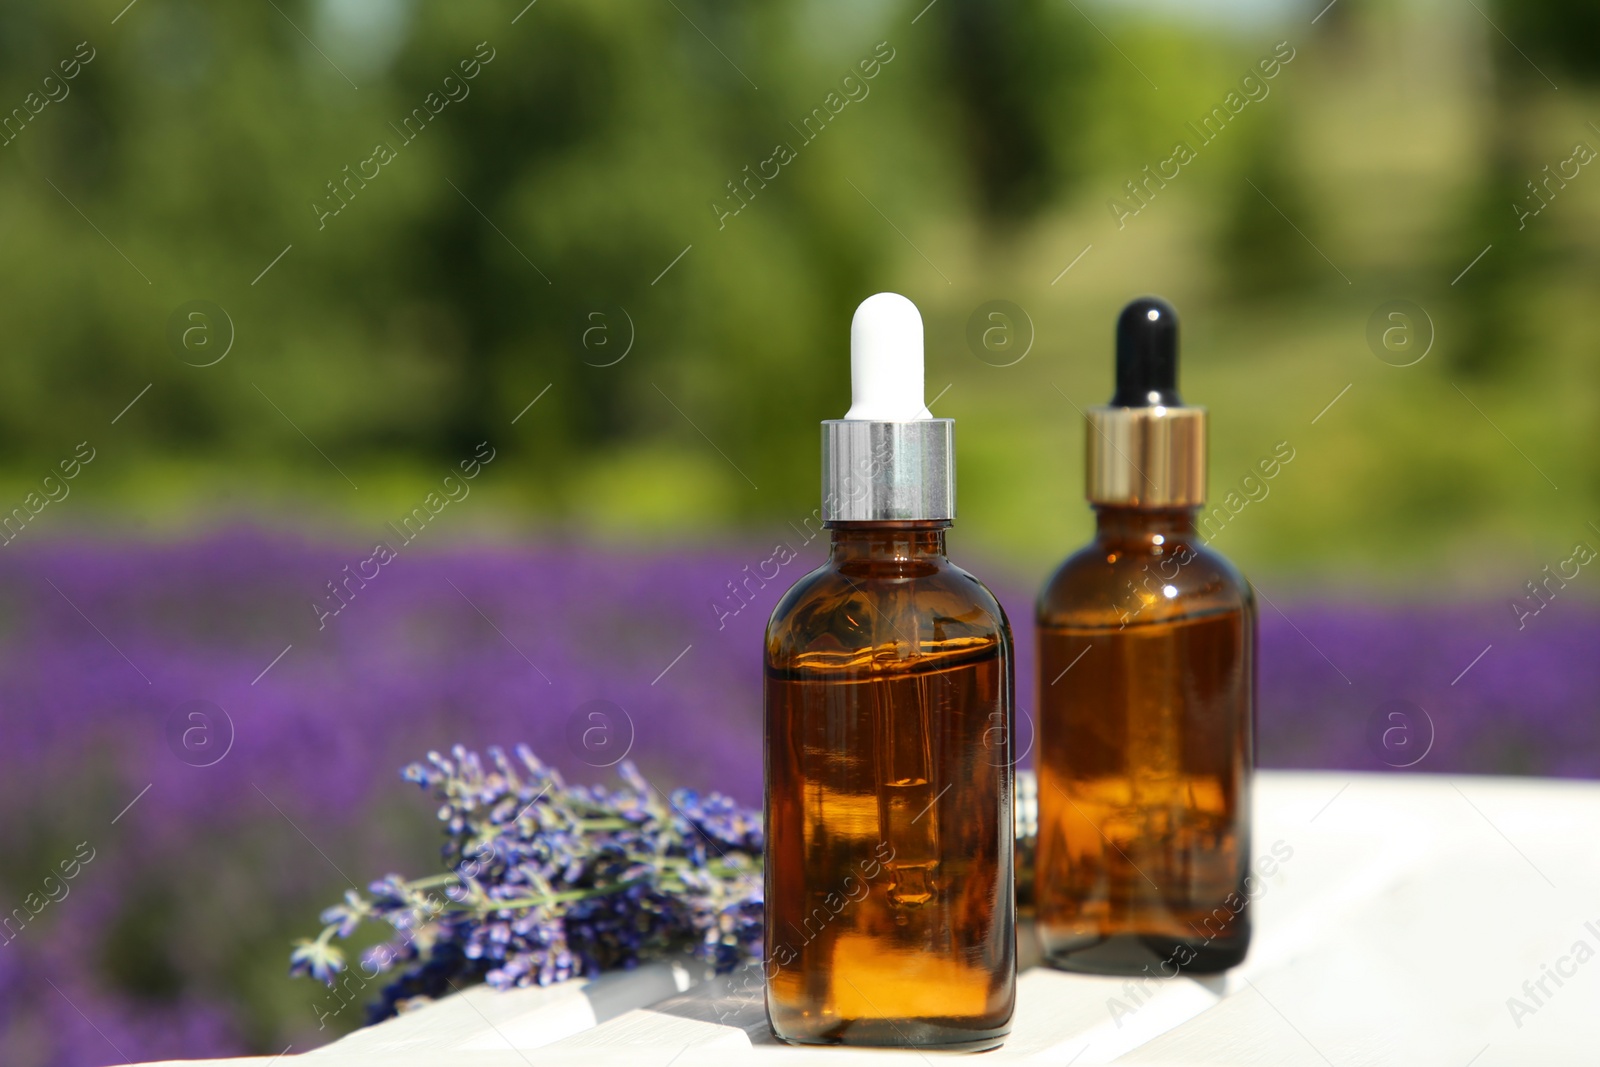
{"x": 888, "y": 540}
{"x": 1115, "y": 523}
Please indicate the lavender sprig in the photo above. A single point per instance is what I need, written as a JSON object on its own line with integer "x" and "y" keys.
{"x": 547, "y": 881}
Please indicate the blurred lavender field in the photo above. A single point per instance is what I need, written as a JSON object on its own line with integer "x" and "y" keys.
{"x": 172, "y": 939}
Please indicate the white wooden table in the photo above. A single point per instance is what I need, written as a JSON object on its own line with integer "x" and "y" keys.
{"x": 1413, "y": 909}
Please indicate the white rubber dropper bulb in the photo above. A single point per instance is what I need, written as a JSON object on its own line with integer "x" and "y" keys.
{"x": 886, "y": 361}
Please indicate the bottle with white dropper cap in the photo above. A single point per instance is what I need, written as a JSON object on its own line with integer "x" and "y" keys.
{"x": 890, "y": 907}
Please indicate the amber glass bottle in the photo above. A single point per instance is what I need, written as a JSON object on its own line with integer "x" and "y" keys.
{"x": 890, "y": 904}
{"x": 889, "y": 886}
{"x": 1146, "y": 698}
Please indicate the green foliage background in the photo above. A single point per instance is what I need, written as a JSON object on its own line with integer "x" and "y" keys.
{"x": 424, "y": 317}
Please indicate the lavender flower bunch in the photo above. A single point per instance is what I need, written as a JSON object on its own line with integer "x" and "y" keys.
{"x": 547, "y": 881}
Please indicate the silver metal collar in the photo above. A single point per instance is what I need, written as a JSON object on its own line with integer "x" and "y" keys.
{"x": 888, "y": 471}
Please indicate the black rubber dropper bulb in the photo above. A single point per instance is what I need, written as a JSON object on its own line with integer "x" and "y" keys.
{"x": 1147, "y": 355}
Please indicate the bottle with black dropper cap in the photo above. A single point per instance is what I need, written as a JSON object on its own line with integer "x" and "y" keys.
{"x": 1146, "y": 696}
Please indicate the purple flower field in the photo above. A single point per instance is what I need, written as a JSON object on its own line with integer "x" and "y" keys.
{"x": 210, "y": 792}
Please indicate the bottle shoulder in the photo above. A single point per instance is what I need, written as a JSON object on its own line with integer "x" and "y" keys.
{"x": 1128, "y": 583}
{"x": 850, "y": 609}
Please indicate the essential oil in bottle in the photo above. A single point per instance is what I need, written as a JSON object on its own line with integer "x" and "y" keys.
{"x": 1146, "y": 696}
{"x": 890, "y": 903}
